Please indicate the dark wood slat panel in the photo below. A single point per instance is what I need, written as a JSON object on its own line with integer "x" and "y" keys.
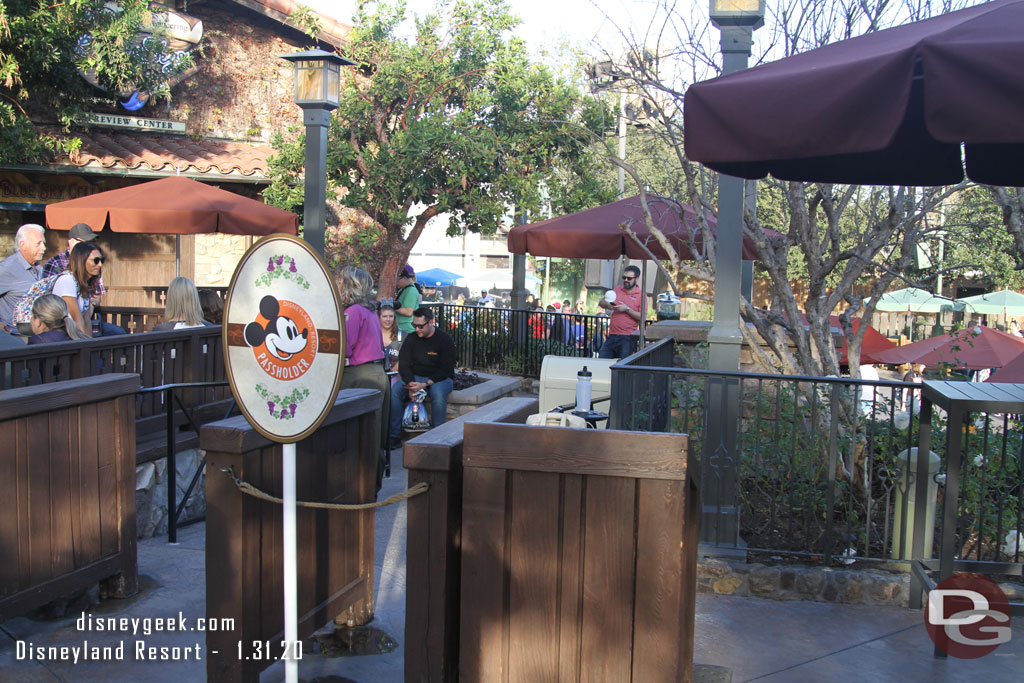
{"x": 607, "y": 579}
{"x": 10, "y": 491}
{"x": 587, "y": 451}
{"x": 89, "y": 468}
{"x": 47, "y": 397}
{"x": 570, "y": 557}
{"x": 533, "y": 578}
{"x": 62, "y": 452}
{"x": 38, "y": 460}
{"x": 659, "y": 589}
{"x": 482, "y": 625}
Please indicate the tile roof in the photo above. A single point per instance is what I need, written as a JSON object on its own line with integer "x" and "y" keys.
{"x": 333, "y": 31}
{"x": 169, "y": 153}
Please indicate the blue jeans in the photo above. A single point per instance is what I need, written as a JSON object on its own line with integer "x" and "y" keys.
{"x": 616, "y": 346}
{"x": 438, "y": 394}
{"x": 110, "y": 329}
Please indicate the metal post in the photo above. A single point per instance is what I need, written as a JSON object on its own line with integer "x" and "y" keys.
{"x": 314, "y": 208}
{"x": 750, "y": 202}
{"x": 621, "y": 172}
{"x": 288, "y": 530}
{"x": 720, "y": 522}
{"x": 172, "y": 469}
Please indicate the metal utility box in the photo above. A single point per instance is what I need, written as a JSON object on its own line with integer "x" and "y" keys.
{"x": 558, "y": 381}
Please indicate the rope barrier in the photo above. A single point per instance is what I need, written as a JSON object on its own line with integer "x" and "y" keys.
{"x": 251, "y": 490}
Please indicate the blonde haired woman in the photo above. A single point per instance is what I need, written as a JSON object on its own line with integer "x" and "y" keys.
{"x": 51, "y": 321}
{"x": 182, "y": 309}
{"x": 364, "y": 352}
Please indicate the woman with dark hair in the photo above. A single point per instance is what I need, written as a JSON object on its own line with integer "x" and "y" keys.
{"x": 213, "y": 306}
{"x": 77, "y": 284}
{"x": 51, "y": 321}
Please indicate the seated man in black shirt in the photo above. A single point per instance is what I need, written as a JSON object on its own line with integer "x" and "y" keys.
{"x": 426, "y": 361}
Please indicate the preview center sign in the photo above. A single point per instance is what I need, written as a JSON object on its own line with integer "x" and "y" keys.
{"x": 283, "y": 338}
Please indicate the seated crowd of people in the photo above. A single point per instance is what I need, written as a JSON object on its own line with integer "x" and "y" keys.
{"x": 56, "y": 300}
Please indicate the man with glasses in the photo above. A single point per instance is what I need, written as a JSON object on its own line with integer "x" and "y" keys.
{"x": 625, "y": 315}
{"x": 426, "y": 361}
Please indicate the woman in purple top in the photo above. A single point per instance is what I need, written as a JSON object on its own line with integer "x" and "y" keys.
{"x": 364, "y": 352}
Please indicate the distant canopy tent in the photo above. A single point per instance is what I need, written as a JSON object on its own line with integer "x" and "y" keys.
{"x": 1005, "y": 302}
{"x": 915, "y": 300}
{"x": 894, "y": 107}
{"x": 437, "y": 277}
{"x": 973, "y": 348}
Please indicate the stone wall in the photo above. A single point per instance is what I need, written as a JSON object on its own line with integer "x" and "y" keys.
{"x": 151, "y": 492}
{"x": 820, "y": 584}
{"x": 216, "y": 257}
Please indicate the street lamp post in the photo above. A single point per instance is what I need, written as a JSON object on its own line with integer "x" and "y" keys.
{"x": 318, "y": 92}
{"x": 736, "y": 19}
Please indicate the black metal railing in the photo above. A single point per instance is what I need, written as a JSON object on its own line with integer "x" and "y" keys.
{"x": 170, "y": 400}
{"x": 515, "y": 342}
{"x": 826, "y": 466}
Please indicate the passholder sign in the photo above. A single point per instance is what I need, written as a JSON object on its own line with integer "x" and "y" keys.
{"x": 283, "y": 338}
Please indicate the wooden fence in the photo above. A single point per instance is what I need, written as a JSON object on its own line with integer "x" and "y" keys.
{"x": 337, "y": 464}
{"x": 158, "y": 358}
{"x": 67, "y": 477}
{"x": 433, "y": 559}
{"x": 577, "y": 551}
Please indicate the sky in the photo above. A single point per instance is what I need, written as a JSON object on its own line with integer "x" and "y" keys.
{"x": 544, "y": 21}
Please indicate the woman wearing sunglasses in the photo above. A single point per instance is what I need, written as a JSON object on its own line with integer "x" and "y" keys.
{"x": 78, "y": 283}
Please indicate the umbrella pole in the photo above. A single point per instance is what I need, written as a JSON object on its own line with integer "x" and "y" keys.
{"x": 643, "y": 304}
{"x": 177, "y": 256}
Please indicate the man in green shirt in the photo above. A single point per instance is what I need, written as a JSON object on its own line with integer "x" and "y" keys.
{"x": 407, "y": 299}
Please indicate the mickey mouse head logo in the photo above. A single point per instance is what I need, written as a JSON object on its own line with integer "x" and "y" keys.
{"x": 283, "y": 338}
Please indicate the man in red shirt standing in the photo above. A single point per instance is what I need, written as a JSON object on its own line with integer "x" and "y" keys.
{"x": 625, "y": 315}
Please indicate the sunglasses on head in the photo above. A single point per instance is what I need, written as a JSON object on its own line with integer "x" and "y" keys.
{"x": 97, "y": 260}
{"x": 386, "y": 302}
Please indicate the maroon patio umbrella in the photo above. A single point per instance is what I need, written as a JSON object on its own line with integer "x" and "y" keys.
{"x": 890, "y": 107}
{"x": 974, "y": 348}
{"x": 171, "y": 206}
{"x": 594, "y": 233}
{"x": 1012, "y": 372}
{"x": 871, "y": 345}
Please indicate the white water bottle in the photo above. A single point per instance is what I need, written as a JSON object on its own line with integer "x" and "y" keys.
{"x": 583, "y": 389}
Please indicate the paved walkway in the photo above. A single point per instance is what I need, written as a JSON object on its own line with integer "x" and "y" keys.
{"x": 758, "y": 640}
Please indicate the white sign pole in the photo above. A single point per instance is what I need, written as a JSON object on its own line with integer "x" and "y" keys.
{"x": 291, "y": 598}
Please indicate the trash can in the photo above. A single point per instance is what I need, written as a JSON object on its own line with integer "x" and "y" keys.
{"x": 558, "y": 381}
{"x": 901, "y": 548}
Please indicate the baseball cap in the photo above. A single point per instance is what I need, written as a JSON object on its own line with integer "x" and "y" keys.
{"x": 408, "y": 272}
{"x": 557, "y": 304}
{"x": 81, "y": 231}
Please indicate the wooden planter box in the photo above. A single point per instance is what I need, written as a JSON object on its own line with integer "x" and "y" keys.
{"x": 67, "y": 479}
{"x": 337, "y": 464}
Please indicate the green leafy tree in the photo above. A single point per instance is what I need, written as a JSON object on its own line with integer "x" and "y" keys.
{"x": 455, "y": 121}
{"x": 45, "y": 46}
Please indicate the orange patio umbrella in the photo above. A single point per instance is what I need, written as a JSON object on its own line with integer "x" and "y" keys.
{"x": 173, "y": 206}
